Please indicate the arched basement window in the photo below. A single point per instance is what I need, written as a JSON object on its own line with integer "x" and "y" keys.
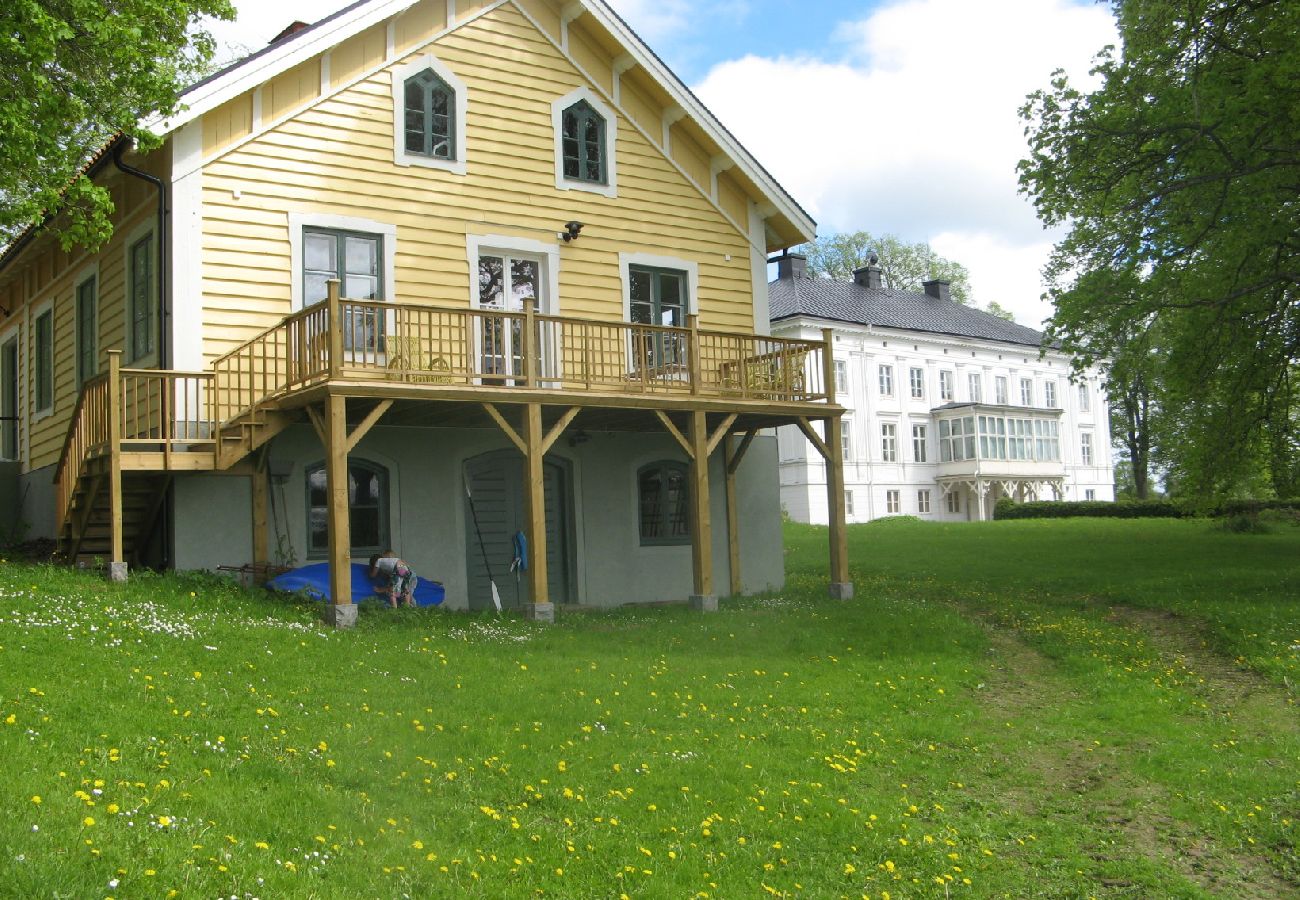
{"x": 664, "y": 503}
{"x": 367, "y": 509}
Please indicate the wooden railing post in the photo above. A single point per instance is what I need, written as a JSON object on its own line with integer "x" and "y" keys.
{"x": 335, "y": 326}
{"x": 693, "y": 351}
{"x": 117, "y": 564}
{"x": 528, "y": 347}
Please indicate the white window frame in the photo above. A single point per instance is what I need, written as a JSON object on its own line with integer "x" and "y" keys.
{"x": 1000, "y": 389}
{"x": 1090, "y": 494}
{"x": 888, "y": 442}
{"x": 547, "y": 255}
{"x": 916, "y": 375}
{"x": 886, "y": 374}
{"x": 947, "y": 390}
{"x": 1085, "y": 448}
{"x": 893, "y": 502}
{"x": 1049, "y": 395}
{"x": 400, "y": 75}
{"x": 299, "y": 221}
{"x": 920, "y": 442}
{"x": 923, "y": 501}
{"x": 848, "y": 503}
{"x": 846, "y": 438}
{"x": 150, "y": 359}
{"x": 841, "y": 376}
{"x": 975, "y": 386}
{"x": 1085, "y": 398}
{"x": 954, "y": 501}
{"x": 46, "y": 411}
{"x": 611, "y": 143}
{"x": 90, "y": 273}
{"x": 1027, "y": 392}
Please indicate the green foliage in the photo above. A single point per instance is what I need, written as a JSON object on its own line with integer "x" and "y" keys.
{"x": 75, "y": 73}
{"x": 179, "y": 733}
{"x": 1095, "y": 509}
{"x": 1177, "y": 179}
{"x": 906, "y": 266}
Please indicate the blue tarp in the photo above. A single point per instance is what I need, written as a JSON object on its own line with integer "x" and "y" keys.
{"x": 315, "y": 580}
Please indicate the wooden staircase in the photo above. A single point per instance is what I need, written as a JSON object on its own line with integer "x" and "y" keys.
{"x": 237, "y": 439}
{"x": 86, "y": 535}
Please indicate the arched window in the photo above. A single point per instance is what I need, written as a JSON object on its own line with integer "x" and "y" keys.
{"x": 367, "y": 509}
{"x": 584, "y": 144}
{"x": 430, "y": 116}
{"x": 664, "y": 503}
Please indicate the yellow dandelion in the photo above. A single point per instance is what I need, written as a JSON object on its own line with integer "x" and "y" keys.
{"x": 36, "y": 798}
{"x": 88, "y": 821}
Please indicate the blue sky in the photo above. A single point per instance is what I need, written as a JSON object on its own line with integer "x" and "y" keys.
{"x": 893, "y": 116}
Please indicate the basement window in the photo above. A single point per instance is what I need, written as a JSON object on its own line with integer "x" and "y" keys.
{"x": 367, "y": 509}
{"x": 664, "y": 498}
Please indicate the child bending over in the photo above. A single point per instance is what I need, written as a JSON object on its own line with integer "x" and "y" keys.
{"x": 400, "y": 578}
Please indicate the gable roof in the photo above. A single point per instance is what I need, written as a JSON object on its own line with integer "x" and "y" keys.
{"x": 848, "y": 301}
{"x": 292, "y": 48}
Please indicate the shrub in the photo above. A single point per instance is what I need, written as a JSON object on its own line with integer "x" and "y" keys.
{"x": 1061, "y": 509}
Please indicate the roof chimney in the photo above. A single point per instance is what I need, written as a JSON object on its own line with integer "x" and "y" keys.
{"x": 290, "y": 31}
{"x": 868, "y": 276}
{"x": 937, "y": 288}
{"x": 791, "y": 265}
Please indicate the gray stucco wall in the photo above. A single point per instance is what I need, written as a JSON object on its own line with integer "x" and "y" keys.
{"x": 428, "y": 509}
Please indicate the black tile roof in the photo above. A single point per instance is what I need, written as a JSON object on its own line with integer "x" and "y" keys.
{"x": 847, "y": 301}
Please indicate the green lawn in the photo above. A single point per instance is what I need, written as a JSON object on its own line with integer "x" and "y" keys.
{"x": 1062, "y": 708}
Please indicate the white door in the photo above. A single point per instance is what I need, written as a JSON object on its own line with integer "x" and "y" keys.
{"x": 505, "y": 283}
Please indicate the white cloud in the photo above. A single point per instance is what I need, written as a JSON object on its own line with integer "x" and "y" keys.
{"x": 914, "y": 128}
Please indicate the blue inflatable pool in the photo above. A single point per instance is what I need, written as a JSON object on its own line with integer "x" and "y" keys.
{"x": 315, "y": 580}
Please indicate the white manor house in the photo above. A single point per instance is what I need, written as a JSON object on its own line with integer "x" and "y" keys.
{"x": 948, "y": 408}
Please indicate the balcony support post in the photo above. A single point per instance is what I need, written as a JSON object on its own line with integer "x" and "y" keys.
{"x": 733, "y": 454}
{"x": 335, "y": 325}
{"x": 539, "y": 608}
{"x": 833, "y": 451}
{"x": 258, "y": 484}
{"x": 703, "y": 598}
{"x": 117, "y": 562}
{"x": 341, "y": 611}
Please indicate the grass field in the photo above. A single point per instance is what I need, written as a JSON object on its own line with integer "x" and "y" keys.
{"x": 1065, "y": 708}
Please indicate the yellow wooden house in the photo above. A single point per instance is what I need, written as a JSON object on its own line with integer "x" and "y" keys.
{"x": 424, "y": 275}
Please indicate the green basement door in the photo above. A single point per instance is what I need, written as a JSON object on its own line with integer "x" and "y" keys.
{"x": 496, "y": 482}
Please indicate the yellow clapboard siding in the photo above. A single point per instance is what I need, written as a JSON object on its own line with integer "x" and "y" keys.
{"x": 293, "y": 89}
{"x": 545, "y": 14}
{"x": 732, "y": 198}
{"x": 590, "y": 56}
{"x": 336, "y": 158}
{"x": 357, "y": 54}
{"x": 223, "y": 126}
{"x": 419, "y": 23}
{"x": 688, "y": 154}
{"x": 467, "y": 8}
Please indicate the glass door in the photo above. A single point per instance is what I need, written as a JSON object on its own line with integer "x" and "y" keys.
{"x": 658, "y": 297}
{"x": 505, "y": 284}
{"x": 354, "y": 259}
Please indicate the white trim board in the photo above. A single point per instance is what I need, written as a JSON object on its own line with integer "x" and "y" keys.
{"x": 297, "y": 221}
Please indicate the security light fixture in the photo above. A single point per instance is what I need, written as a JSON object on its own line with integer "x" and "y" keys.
{"x": 571, "y": 231}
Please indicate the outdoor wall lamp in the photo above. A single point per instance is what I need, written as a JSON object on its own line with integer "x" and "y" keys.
{"x": 571, "y": 231}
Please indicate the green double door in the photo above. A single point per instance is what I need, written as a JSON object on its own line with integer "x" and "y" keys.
{"x": 496, "y": 482}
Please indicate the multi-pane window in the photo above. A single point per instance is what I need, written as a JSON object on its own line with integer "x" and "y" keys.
{"x": 954, "y": 502}
{"x": 1020, "y": 439}
{"x": 1048, "y": 441}
{"x": 9, "y": 399}
{"x": 957, "y": 439}
{"x": 505, "y": 283}
{"x": 848, "y": 503}
{"x": 1089, "y": 494}
{"x": 87, "y": 326}
{"x": 45, "y": 361}
{"x": 1026, "y": 392}
{"x": 923, "y": 501}
{"x": 367, "y": 509}
{"x": 583, "y": 144}
{"x": 976, "y": 385}
{"x": 918, "y": 443}
{"x": 1049, "y": 394}
{"x": 140, "y": 296}
{"x": 888, "y": 442}
{"x": 893, "y": 503}
{"x": 886, "y": 381}
{"x": 945, "y": 386}
{"x": 658, "y": 297}
{"x": 993, "y": 437}
{"x": 917, "y": 377}
{"x": 430, "y": 116}
{"x": 664, "y": 503}
{"x": 355, "y": 259}
{"x": 841, "y": 376}
{"x": 1000, "y": 390}
{"x": 1085, "y": 398}
{"x": 1085, "y": 448}
{"x": 846, "y": 438}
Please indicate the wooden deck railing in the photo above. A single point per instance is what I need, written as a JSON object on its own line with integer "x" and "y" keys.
{"x": 343, "y": 339}
{"x": 143, "y": 409}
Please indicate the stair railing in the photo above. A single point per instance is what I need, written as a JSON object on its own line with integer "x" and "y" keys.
{"x": 87, "y": 437}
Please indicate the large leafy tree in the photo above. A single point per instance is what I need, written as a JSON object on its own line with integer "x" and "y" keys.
{"x": 74, "y": 73}
{"x": 1179, "y": 180}
{"x": 906, "y": 266}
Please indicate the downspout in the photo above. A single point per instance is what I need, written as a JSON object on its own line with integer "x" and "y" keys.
{"x": 164, "y": 213}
